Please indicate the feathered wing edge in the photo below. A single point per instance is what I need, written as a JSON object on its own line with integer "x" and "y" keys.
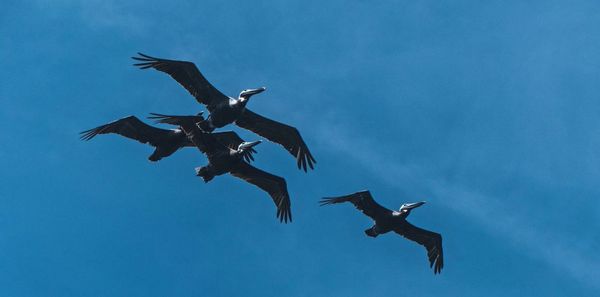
{"x": 187, "y": 75}
{"x": 287, "y": 136}
{"x": 274, "y": 185}
{"x": 432, "y": 242}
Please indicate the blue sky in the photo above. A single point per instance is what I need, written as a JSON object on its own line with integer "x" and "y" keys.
{"x": 489, "y": 111}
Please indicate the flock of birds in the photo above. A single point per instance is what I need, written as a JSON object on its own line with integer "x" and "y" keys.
{"x": 228, "y": 153}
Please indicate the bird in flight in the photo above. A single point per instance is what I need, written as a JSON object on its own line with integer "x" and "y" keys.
{"x": 388, "y": 220}
{"x": 225, "y": 110}
{"x": 165, "y": 141}
{"x": 224, "y": 159}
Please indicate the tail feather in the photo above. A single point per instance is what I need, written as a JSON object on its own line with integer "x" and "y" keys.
{"x": 371, "y": 232}
{"x": 175, "y": 119}
{"x": 205, "y": 173}
{"x": 166, "y": 119}
{"x": 91, "y": 133}
{"x": 156, "y": 155}
{"x": 154, "y": 158}
{"x": 330, "y": 200}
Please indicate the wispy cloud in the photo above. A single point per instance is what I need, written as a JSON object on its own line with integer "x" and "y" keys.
{"x": 96, "y": 14}
{"x": 112, "y": 14}
{"x": 561, "y": 251}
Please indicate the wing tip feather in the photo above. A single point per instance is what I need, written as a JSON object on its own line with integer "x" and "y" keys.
{"x": 327, "y": 201}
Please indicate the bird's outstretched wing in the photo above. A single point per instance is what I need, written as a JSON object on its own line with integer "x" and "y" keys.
{"x": 363, "y": 202}
{"x": 187, "y": 75}
{"x": 130, "y": 127}
{"x": 177, "y": 120}
{"x": 272, "y": 184}
{"x": 430, "y": 240}
{"x": 285, "y": 135}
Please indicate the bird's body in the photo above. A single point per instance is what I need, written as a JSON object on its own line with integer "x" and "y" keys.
{"x": 226, "y": 110}
{"x": 223, "y": 114}
{"x": 386, "y": 224}
{"x": 388, "y": 220}
{"x": 225, "y": 159}
{"x": 221, "y": 160}
{"x": 168, "y": 144}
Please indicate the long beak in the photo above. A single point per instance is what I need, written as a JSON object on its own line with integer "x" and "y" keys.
{"x": 248, "y": 145}
{"x": 259, "y": 90}
{"x": 252, "y": 92}
{"x": 410, "y": 206}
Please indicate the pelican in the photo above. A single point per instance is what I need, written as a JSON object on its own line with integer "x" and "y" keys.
{"x": 166, "y": 142}
{"x": 223, "y": 159}
{"x": 226, "y": 110}
{"x": 387, "y": 220}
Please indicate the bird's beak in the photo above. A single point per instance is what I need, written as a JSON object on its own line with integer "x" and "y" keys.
{"x": 248, "y": 145}
{"x": 251, "y": 92}
{"x": 410, "y": 206}
{"x": 259, "y": 90}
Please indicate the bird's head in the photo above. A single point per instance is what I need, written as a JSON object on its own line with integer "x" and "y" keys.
{"x": 247, "y": 146}
{"x": 246, "y": 149}
{"x": 246, "y": 94}
{"x": 407, "y": 207}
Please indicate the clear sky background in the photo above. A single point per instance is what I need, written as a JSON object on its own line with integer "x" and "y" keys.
{"x": 490, "y": 111}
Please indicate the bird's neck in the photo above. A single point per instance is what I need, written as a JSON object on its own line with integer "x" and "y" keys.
{"x": 240, "y": 102}
{"x": 238, "y": 155}
{"x": 402, "y": 213}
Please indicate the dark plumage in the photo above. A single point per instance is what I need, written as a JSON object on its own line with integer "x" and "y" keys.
{"x": 225, "y": 159}
{"x": 387, "y": 220}
{"x": 226, "y": 110}
{"x": 166, "y": 142}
